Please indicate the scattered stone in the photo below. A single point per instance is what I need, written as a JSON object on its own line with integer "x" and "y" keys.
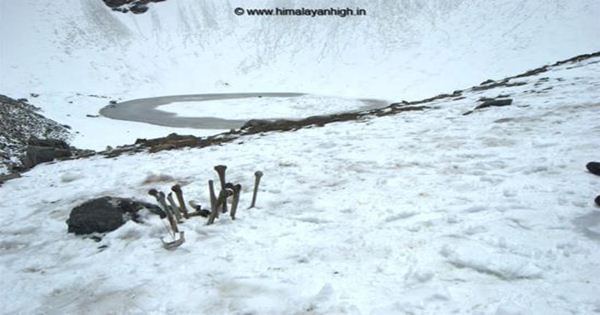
{"x": 116, "y": 3}
{"x": 594, "y": 168}
{"x": 112, "y": 102}
{"x": 138, "y": 8}
{"x": 92, "y": 116}
{"x": 504, "y": 83}
{"x": 495, "y": 102}
{"x": 36, "y": 155}
{"x": 122, "y": 10}
{"x": 44, "y": 150}
{"x": 533, "y": 72}
{"x": 489, "y": 102}
{"x": 19, "y": 124}
{"x": 4, "y": 178}
{"x": 34, "y": 95}
{"x": 597, "y": 200}
{"x": 105, "y": 214}
{"x": 133, "y": 6}
{"x": 53, "y": 143}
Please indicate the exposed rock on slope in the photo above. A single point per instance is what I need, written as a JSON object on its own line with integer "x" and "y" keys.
{"x": 105, "y": 214}
{"x": 133, "y": 6}
{"x": 175, "y": 141}
{"x": 20, "y": 127}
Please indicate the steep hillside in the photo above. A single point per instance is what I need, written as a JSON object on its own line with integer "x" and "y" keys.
{"x": 400, "y": 49}
{"x": 19, "y": 123}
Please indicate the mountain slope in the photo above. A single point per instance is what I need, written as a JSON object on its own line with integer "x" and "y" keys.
{"x": 423, "y": 212}
{"x": 401, "y": 49}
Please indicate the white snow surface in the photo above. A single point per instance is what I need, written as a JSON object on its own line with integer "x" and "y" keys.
{"x": 428, "y": 212}
{"x": 401, "y": 49}
{"x": 264, "y": 107}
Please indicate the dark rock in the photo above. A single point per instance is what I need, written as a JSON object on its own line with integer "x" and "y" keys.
{"x": 489, "y": 102}
{"x": 256, "y": 123}
{"x": 53, "y": 143}
{"x": 4, "y": 178}
{"x": 122, "y": 10}
{"x": 23, "y": 100}
{"x": 488, "y": 81}
{"x": 138, "y": 8}
{"x": 495, "y": 102}
{"x": 495, "y": 84}
{"x": 533, "y": 72}
{"x": 171, "y": 141}
{"x": 116, "y": 3}
{"x": 19, "y": 123}
{"x": 594, "y": 168}
{"x": 34, "y": 94}
{"x": 112, "y": 102}
{"x": 92, "y": 116}
{"x": 44, "y": 150}
{"x": 103, "y": 214}
{"x": 597, "y": 200}
{"x": 36, "y": 155}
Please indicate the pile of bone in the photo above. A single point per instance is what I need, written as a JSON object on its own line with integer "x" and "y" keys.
{"x": 177, "y": 212}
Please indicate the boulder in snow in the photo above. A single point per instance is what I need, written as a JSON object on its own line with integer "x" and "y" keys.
{"x": 44, "y": 150}
{"x": 594, "y": 167}
{"x": 105, "y": 214}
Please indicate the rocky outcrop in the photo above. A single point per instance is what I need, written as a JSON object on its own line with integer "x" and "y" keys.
{"x": 44, "y": 150}
{"x": 105, "y": 214}
{"x": 21, "y": 127}
{"x": 133, "y": 6}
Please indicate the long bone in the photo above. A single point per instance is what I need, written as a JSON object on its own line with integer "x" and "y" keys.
{"x": 160, "y": 197}
{"x": 220, "y": 169}
{"x": 179, "y": 193}
{"x": 211, "y": 191}
{"x": 174, "y": 206}
{"x": 174, "y": 244}
{"x": 214, "y": 213}
{"x": 257, "y": 176}
{"x": 164, "y": 207}
{"x": 236, "y": 199}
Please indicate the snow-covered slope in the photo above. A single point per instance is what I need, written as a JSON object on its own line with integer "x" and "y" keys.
{"x": 71, "y": 52}
{"x": 428, "y": 212}
{"x": 400, "y": 49}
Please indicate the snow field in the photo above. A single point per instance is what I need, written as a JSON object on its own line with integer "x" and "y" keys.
{"x": 423, "y": 212}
